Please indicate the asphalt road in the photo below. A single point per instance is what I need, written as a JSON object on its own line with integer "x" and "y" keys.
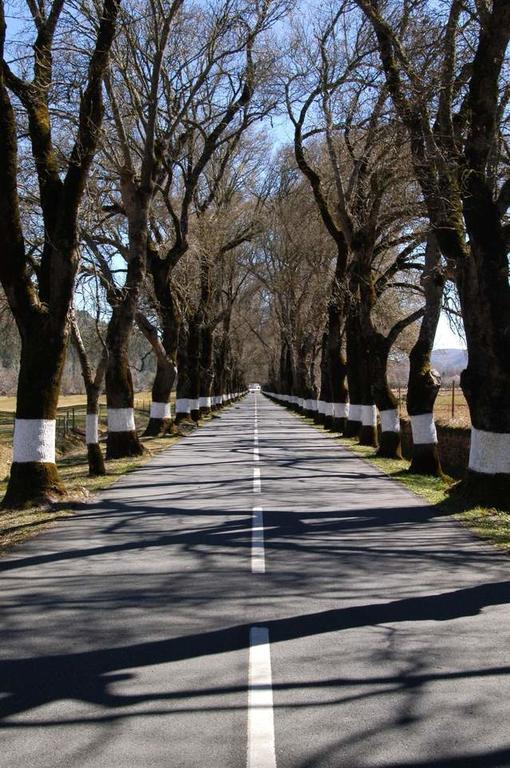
{"x": 257, "y": 596}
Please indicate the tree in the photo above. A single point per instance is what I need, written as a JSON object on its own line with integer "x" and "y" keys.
{"x": 349, "y": 147}
{"x": 39, "y": 292}
{"x": 456, "y": 126}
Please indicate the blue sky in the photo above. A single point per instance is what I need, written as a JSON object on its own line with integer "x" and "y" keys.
{"x": 281, "y": 131}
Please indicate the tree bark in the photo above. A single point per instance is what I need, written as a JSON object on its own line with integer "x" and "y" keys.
{"x": 122, "y": 440}
{"x": 354, "y": 374}
{"x": 337, "y": 369}
{"x": 325, "y": 407}
{"x": 34, "y": 478}
{"x": 424, "y": 382}
{"x": 183, "y": 394}
{"x": 93, "y": 386}
{"x": 390, "y": 446}
{"x": 206, "y": 369}
{"x": 193, "y": 363}
{"x": 160, "y": 420}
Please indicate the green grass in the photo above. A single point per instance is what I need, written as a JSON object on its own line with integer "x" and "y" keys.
{"x": 489, "y": 523}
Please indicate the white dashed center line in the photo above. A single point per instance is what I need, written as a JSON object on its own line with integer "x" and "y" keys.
{"x": 261, "y": 745}
{"x": 258, "y": 559}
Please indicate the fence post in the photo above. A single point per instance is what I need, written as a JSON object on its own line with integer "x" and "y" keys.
{"x": 399, "y": 401}
{"x": 453, "y": 399}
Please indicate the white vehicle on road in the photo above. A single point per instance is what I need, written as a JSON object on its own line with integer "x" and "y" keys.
{"x": 254, "y": 387}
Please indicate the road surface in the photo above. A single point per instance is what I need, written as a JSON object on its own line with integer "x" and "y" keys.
{"x": 255, "y": 596}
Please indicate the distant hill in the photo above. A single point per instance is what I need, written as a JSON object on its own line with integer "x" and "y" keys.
{"x": 449, "y": 362}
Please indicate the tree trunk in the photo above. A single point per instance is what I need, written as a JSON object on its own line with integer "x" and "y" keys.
{"x": 122, "y": 437}
{"x": 485, "y": 295}
{"x": 337, "y": 369}
{"x": 194, "y": 339}
{"x": 206, "y": 369}
{"x": 34, "y": 477}
{"x": 391, "y": 445}
{"x": 368, "y": 433}
{"x": 94, "y": 453}
{"x": 424, "y": 382}
{"x": 160, "y": 420}
{"x": 325, "y": 404}
{"x": 183, "y": 403}
{"x": 93, "y": 386}
{"x": 354, "y": 376}
{"x": 304, "y": 380}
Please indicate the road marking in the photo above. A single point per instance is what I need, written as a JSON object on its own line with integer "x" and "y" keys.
{"x": 258, "y": 556}
{"x": 261, "y": 746}
{"x": 256, "y": 454}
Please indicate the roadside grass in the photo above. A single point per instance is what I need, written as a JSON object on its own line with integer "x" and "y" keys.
{"x": 18, "y": 525}
{"x": 488, "y": 523}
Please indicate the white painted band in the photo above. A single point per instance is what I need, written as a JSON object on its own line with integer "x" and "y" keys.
{"x": 489, "y": 452}
{"x": 121, "y": 420}
{"x": 301, "y": 402}
{"x": 321, "y": 406}
{"x": 341, "y": 410}
{"x": 92, "y": 428}
{"x": 308, "y": 405}
{"x": 194, "y": 404}
{"x": 182, "y": 405}
{"x": 205, "y": 402}
{"x": 261, "y": 736}
{"x": 314, "y": 405}
{"x": 369, "y": 415}
{"x": 390, "y": 421}
{"x": 424, "y": 429}
{"x": 34, "y": 440}
{"x": 354, "y": 412}
{"x": 160, "y": 410}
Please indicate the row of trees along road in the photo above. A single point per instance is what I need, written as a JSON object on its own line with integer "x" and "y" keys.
{"x": 400, "y": 127}
{"x": 138, "y": 183}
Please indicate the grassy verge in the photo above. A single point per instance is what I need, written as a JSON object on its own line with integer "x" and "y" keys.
{"x": 488, "y": 523}
{"x": 19, "y": 525}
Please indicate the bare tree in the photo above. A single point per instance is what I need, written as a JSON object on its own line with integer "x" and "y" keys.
{"x": 40, "y": 292}
{"x": 350, "y": 150}
{"x": 456, "y": 126}
{"x": 93, "y": 383}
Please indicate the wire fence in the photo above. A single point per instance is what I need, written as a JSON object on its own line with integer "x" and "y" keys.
{"x": 450, "y": 406}
{"x": 71, "y": 420}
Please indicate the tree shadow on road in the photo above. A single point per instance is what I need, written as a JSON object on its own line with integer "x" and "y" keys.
{"x": 86, "y": 676}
